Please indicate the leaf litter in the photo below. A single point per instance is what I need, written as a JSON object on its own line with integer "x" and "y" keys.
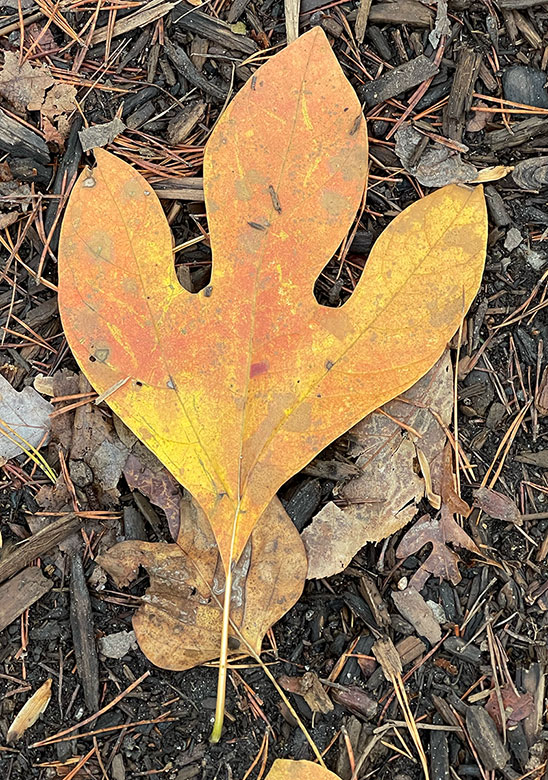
{"x": 178, "y": 625}
{"x": 24, "y": 420}
{"x": 439, "y": 531}
{"x": 385, "y": 495}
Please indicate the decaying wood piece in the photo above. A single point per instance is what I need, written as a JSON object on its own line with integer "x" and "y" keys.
{"x": 38, "y": 544}
{"x": 531, "y": 174}
{"x": 409, "y": 12}
{"x": 20, "y": 592}
{"x": 460, "y": 97}
{"x": 81, "y": 621}
{"x": 361, "y": 19}
{"x": 16, "y": 138}
{"x": 520, "y": 133}
{"x": 184, "y": 65}
{"x": 398, "y": 80}
{"x": 140, "y": 18}
{"x": 291, "y": 13}
{"x": 534, "y": 682}
{"x": 188, "y": 18}
{"x": 184, "y": 188}
{"x": 485, "y": 738}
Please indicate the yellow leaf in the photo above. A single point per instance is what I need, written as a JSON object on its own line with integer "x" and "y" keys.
{"x": 284, "y": 769}
{"x": 238, "y": 387}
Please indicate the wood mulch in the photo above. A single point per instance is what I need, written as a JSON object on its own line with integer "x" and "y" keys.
{"x": 472, "y": 83}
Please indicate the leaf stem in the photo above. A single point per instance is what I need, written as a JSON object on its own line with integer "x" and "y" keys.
{"x": 223, "y": 662}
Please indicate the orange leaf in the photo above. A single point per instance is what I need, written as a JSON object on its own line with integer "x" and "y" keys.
{"x": 284, "y": 769}
{"x": 238, "y": 387}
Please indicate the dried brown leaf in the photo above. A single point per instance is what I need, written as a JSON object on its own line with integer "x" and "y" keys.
{"x": 385, "y": 495}
{"x": 60, "y": 99}
{"x": 497, "y": 505}
{"x": 179, "y": 623}
{"x": 24, "y": 86}
{"x": 439, "y": 531}
{"x": 517, "y": 706}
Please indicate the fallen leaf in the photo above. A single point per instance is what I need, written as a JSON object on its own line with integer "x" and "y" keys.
{"x": 517, "y": 706}
{"x": 60, "y": 99}
{"x": 40, "y": 34}
{"x": 24, "y": 420}
{"x": 478, "y": 118}
{"x": 439, "y": 531}
{"x": 310, "y": 688}
{"x": 30, "y": 712}
{"x": 492, "y": 173}
{"x": 437, "y": 166}
{"x": 101, "y": 449}
{"x": 24, "y": 86}
{"x": 144, "y": 472}
{"x": 51, "y": 133}
{"x": 178, "y": 625}
{"x": 100, "y": 135}
{"x": 285, "y": 769}
{"x": 385, "y": 495}
{"x": 497, "y": 505}
{"x": 254, "y": 350}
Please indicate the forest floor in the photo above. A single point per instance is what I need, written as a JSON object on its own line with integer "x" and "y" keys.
{"x": 475, "y": 680}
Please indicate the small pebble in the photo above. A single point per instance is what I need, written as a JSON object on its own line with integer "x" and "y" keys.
{"x": 513, "y": 239}
{"x": 523, "y": 84}
{"x": 117, "y": 645}
{"x": 438, "y": 611}
{"x": 535, "y": 259}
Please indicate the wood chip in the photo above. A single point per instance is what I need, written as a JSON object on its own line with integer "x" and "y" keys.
{"x": 83, "y": 634}
{"x": 139, "y": 19}
{"x": 310, "y": 688}
{"x": 215, "y": 30}
{"x": 17, "y": 138}
{"x": 183, "y": 123}
{"x": 20, "y": 592}
{"x": 361, "y": 19}
{"x": 520, "y": 133}
{"x": 375, "y": 601}
{"x": 30, "y": 712}
{"x": 409, "y": 12}
{"x": 485, "y": 739}
{"x": 413, "y": 608}
{"x": 38, "y": 544}
{"x": 398, "y": 80}
{"x": 460, "y": 97}
{"x": 291, "y": 10}
{"x": 184, "y": 65}
{"x": 183, "y": 188}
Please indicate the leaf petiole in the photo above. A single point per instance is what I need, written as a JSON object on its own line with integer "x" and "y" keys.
{"x": 223, "y": 662}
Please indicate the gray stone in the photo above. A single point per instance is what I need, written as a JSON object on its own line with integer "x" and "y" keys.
{"x": 523, "y": 84}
